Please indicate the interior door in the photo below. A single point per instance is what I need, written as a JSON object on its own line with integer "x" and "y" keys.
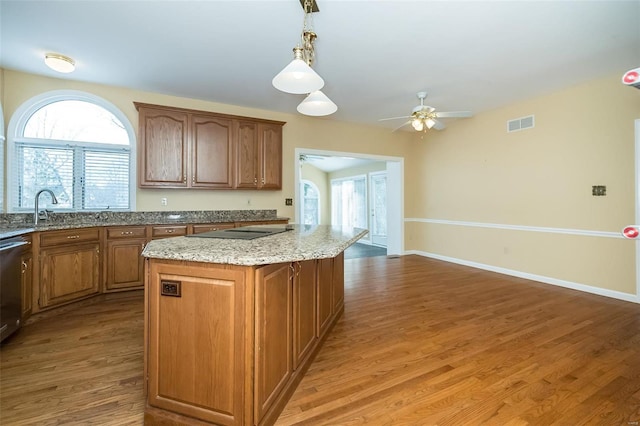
{"x": 378, "y": 197}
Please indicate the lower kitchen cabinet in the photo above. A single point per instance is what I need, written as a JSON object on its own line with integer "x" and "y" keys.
{"x": 69, "y": 272}
{"x": 26, "y": 281}
{"x": 123, "y": 263}
{"x": 325, "y": 289}
{"x": 273, "y": 328}
{"x": 304, "y": 310}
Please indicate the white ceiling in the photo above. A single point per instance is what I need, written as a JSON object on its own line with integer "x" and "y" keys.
{"x": 373, "y": 55}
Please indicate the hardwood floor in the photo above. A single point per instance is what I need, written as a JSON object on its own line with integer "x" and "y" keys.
{"x": 422, "y": 342}
{"x": 81, "y": 367}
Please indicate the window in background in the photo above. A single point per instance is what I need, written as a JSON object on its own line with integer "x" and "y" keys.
{"x": 78, "y": 148}
{"x": 310, "y": 203}
{"x": 349, "y": 202}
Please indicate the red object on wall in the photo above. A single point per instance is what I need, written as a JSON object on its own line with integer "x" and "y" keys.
{"x": 631, "y": 232}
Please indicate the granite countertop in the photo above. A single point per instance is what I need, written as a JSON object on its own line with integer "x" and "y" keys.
{"x": 12, "y": 225}
{"x": 303, "y": 242}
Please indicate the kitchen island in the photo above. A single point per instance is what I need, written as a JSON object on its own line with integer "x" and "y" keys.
{"x": 231, "y": 326}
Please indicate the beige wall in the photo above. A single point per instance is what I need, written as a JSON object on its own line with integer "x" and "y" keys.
{"x": 476, "y": 173}
{"x": 471, "y": 174}
{"x": 375, "y": 166}
{"x": 300, "y": 131}
{"x": 321, "y": 180}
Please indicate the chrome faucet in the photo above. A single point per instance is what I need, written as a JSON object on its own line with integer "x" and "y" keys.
{"x": 54, "y": 200}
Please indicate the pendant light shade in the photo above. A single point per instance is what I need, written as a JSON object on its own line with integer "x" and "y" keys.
{"x": 298, "y": 77}
{"x": 317, "y": 104}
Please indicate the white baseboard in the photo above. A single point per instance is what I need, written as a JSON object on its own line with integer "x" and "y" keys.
{"x": 540, "y": 278}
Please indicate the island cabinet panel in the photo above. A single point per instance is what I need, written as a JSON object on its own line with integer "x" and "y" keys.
{"x": 337, "y": 282}
{"x": 304, "y": 310}
{"x": 212, "y": 152}
{"x": 196, "y": 353}
{"x": 273, "y": 335}
{"x": 325, "y": 302}
{"x": 164, "y": 148}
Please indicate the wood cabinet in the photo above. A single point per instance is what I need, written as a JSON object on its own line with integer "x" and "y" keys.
{"x": 182, "y": 148}
{"x": 231, "y": 338}
{"x": 325, "y": 301}
{"x": 164, "y": 231}
{"x": 69, "y": 265}
{"x": 26, "y": 281}
{"x": 163, "y": 141}
{"x": 259, "y": 155}
{"x": 206, "y": 227}
{"x": 123, "y": 262}
{"x": 305, "y": 315}
{"x": 196, "y": 348}
{"x": 337, "y": 282}
{"x": 273, "y": 340}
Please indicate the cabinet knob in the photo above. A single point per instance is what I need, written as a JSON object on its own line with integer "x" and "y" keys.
{"x": 24, "y": 267}
{"x": 170, "y": 231}
{"x": 73, "y": 237}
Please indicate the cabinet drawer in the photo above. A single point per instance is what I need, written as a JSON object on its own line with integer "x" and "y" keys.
{"x": 126, "y": 232}
{"x": 51, "y": 238}
{"x": 198, "y": 229}
{"x": 168, "y": 231}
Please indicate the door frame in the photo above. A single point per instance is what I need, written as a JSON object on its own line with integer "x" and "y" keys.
{"x": 637, "y": 218}
{"x": 395, "y": 192}
{"x": 370, "y": 177}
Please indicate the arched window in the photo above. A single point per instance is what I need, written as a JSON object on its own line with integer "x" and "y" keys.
{"x": 77, "y": 145}
{"x": 310, "y": 203}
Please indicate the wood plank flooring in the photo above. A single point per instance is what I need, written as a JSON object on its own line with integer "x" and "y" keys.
{"x": 422, "y": 342}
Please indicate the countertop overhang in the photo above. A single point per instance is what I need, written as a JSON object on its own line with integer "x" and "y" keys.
{"x": 302, "y": 242}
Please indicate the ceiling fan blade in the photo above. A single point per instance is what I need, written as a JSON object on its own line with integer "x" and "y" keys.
{"x": 394, "y": 118}
{"x": 454, "y": 114}
{"x": 439, "y": 125}
{"x": 400, "y": 127}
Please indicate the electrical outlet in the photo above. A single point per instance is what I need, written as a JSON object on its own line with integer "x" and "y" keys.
{"x": 598, "y": 190}
{"x": 163, "y": 201}
{"x": 288, "y": 201}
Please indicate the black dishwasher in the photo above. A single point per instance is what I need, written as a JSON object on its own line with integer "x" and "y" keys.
{"x": 10, "y": 285}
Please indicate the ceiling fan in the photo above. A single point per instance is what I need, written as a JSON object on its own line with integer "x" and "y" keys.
{"x": 425, "y": 117}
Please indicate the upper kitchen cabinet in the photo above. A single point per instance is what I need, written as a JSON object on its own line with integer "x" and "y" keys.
{"x": 181, "y": 148}
{"x": 163, "y": 139}
{"x": 259, "y": 155}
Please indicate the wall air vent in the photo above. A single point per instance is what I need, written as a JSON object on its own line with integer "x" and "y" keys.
{"x": 520, "y": 124}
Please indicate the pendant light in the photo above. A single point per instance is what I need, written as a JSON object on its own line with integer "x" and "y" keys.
{"x": 299, "y": 78}
{"x": 317, "y": 104}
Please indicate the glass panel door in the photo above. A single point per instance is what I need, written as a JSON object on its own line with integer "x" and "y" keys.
{"x": 379, "y": 208}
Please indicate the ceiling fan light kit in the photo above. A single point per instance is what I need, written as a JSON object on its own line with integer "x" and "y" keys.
{"x": 424, "y": 117}
{"x": 299, "y": 78}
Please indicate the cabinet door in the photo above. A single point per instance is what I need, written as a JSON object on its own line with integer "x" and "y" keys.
{"x": 69, "y": 272}
{"x": 163, "y": 148}
{"x": 325, "y": 276}
{"x": 195, "y": 355}
{"x": 273, "y": 363}
{"x": 211, "y": 152}
{"x": 270, "y": 156}
{"x": 337, "y": 293}
{"x": 125, "y": 265}
{"x": 304, "y": 310}
{"x": 27, "y": 284}
{"x": 246, "y": 155}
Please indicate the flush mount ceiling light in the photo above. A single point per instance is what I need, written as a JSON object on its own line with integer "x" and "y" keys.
{"x": 298, "y": 77}
{"x": 60, "y": 63}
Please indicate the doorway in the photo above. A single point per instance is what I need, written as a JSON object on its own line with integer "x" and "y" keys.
{"x": 378, "y": 208}
{"x": 394, "y": 192}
